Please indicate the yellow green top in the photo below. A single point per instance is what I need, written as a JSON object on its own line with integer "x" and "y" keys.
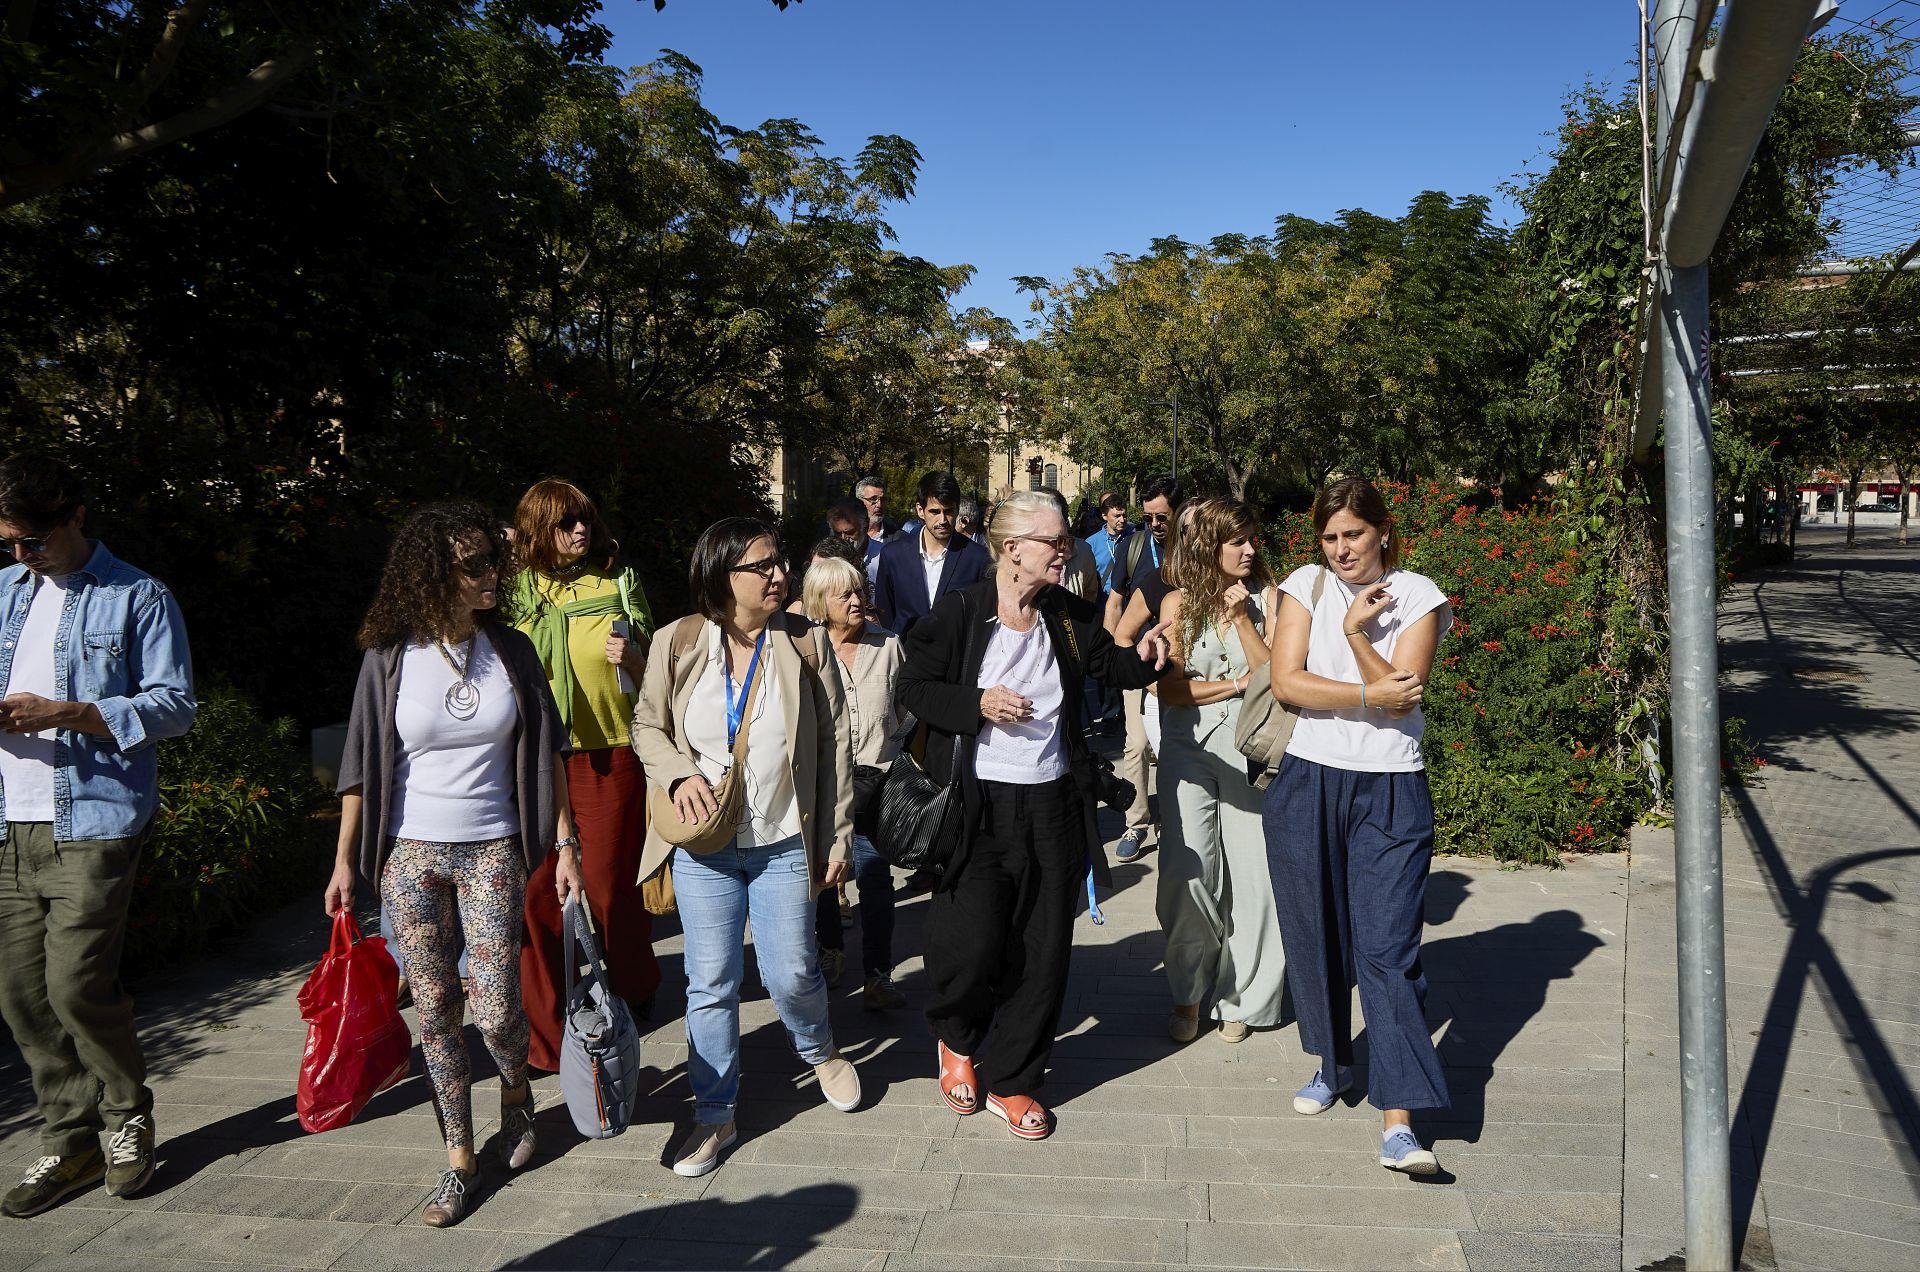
{"x": 586, "y": 687}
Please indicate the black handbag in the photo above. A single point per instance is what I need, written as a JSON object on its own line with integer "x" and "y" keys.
{"x": 867, "y": 779}
{"x": 917, "y": 821}
{"x": 917, "y": 818}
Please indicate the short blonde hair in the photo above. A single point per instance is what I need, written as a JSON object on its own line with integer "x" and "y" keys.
{"x": 1013, "y": 517}
{"x": 828, "y": 579}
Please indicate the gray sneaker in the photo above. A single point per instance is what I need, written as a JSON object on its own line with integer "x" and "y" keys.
{"x": 448, "y": 1205}
{"x": 130, "y": 1157}
{"x": 517, "y": 1142}
{"x": 51, "y": 1180}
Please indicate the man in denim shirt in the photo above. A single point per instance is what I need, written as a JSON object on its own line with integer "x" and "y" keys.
{"x": 94, "y": 668}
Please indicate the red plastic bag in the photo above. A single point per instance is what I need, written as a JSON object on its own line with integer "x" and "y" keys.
{"x": 358, "y": 1044}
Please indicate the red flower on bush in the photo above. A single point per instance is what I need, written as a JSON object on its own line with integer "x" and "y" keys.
{"x": 1491, "y": 646}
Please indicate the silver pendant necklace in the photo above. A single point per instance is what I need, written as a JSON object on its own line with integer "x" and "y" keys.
{"x": 463, "y": 696}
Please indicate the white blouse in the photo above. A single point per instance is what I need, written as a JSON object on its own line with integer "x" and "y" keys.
{"x": 771, "y": 811}
{"x": 1028, "y": 752}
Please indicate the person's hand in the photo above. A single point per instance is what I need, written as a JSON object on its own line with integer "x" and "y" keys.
{"x": 340, "y": 888}
{"x": 836, "y": 873}
{"x": 1153, "y": 646}
{"x": 627, "y": 653}
{"x": 566, "y": 873}
{"x": 1233, "y": 603}
{"x": 1003, "y": 706}
{"x": 29, "y": 713}
{"x": 693, "y": 799}
{"x": 1366, "y": 607}
{"x": 1396, "y": 691}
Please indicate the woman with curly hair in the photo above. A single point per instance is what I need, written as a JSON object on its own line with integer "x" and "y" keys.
{"x": 589, "y": 622}
{"x": 1224, "y": 957}
{"x": 453, "y": 790}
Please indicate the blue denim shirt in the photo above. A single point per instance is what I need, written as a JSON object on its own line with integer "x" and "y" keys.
{"x": 121, "y": 645}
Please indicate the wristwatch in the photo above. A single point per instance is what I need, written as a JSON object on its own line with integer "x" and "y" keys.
{"x": 571, "y": 841}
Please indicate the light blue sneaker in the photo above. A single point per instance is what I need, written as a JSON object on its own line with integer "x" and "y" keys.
{"x": 1317, "y": 1096}
{"x": 1131, "y": 845}
{"x": 1400, "y": 1151}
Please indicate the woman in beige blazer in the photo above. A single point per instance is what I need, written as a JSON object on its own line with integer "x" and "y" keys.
{"x": 795, "y": 835}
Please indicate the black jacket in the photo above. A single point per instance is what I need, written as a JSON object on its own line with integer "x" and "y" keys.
{"x": 939, "y": 685}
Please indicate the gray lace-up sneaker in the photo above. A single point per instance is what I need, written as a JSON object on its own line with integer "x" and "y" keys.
{"x": 516, "y": 1131}
{"x": 51, "y": 1180}
{"x": 448, "y": 1205}
{"x": 130, "y": 1157}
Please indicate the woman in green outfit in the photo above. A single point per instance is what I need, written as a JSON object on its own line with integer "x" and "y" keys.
{"x": 590, "y": 624}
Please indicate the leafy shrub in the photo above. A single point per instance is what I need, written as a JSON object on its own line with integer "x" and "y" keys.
{"x": 235, "y": 834}
{"x": 1531, "y": 742}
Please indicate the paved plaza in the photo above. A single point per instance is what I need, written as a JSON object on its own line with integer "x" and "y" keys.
{"x": 1552, "y": 999}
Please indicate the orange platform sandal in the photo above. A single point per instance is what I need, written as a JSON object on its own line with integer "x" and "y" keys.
{"x": 956, "y": 1070}
{"x": 1014, "y": 1110}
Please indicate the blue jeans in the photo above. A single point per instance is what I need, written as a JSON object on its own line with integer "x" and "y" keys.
{"x": 718, "y": 893}
{"x": 873, "y": 877}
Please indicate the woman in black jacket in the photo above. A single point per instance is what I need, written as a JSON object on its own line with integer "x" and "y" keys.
{"x": 997, "y": 673}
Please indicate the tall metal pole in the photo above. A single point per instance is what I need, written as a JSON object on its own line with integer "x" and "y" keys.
{"x": 1692, "y": 597}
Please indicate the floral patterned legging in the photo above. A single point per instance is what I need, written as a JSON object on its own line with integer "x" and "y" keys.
{"x": 422, "y": 884}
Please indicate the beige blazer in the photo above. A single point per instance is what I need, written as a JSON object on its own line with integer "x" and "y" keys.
{"x": 815, "y": 707}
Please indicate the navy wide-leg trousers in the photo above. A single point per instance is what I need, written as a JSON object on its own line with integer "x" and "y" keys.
{"x": 1349, "y": 854}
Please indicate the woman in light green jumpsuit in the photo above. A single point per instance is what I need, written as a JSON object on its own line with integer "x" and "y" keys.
{"x": 1224, "y": 958}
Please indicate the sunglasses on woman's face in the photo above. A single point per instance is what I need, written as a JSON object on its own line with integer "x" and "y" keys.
{"x": 1061, "y": 544}
{"x": 765, "y": 569}
{"x": 579, "y": 519}
{"x": 478, "y": 565}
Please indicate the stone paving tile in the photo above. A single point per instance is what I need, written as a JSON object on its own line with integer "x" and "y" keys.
{"x": 959, "y": 1237}
{"x": 1338, "y": 1206}
{"x": 294, "y": 1243}
{"x": 1312, "y": 1246}
{"x": 1568, "y": 1214}
{"x": 1512, "y": 1252}
{"x": 58, "y": 1231}
{"x": 1104, "y": 1198}
{"x": 264, "y": 1198}
{"x": 1801, "y": 1245}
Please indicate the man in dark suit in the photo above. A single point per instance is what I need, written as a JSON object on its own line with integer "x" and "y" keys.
{"x": 919, "y": 569}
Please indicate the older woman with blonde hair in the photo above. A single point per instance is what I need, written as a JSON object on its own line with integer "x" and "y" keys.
{"x": 835, "y": 596}
{"x": 589, "y": 622}
{"x": 1224, "y": 957}
{"x": 997, "y": 673}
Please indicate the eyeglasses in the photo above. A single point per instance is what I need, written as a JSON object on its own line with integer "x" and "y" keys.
{"x": 575, "y": 519}
{"x": 765, "y": 569}
{"x": 34, "y": 545}
{"x": 1061, "y": 544}
{"x": 477, "y": 566}
{"x": 1155, "y": 518}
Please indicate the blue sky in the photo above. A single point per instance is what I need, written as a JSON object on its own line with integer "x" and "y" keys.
{"x": 1055, "y": 131}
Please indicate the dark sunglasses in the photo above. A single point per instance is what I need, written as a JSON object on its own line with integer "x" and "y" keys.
{"x": 571, "y": 520}
{"x": 477, "y": 566}
{"x": 34, "y": 545}
{"x": 765, "y": 569}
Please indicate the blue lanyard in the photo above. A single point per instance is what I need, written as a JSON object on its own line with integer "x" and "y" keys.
{"x": 1153, "y": 546}
{"x": 736, "y": 711}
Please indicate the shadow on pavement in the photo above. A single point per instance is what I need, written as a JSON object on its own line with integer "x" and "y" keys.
{"x": 762, "y": 1232}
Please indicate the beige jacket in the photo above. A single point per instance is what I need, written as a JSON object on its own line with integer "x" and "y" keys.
{"x": 816, "y": 716}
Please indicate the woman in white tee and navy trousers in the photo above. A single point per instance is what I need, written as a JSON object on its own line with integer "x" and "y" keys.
{"x": 998, "y": 672}
{"x": 1349, "y": 820}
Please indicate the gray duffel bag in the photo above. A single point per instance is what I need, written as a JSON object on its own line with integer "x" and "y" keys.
{"x": 600, "y": 1047}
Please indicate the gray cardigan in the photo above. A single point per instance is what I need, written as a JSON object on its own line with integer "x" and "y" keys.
{"x": 372, "y": 744}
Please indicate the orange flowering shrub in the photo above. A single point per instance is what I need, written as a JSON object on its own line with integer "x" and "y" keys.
{"x": 1528, "y": 744}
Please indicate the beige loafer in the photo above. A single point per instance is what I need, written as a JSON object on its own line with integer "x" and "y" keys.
{"x": 839, "y": 1082}
{"x": 700, "y": 1151}
{"x": 1234, "y": 1031}
{"x": 1182, "y": 1029}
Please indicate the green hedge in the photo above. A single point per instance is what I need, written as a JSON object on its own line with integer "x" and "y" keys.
{"x": 237, "y": 832}
{"x": 1530, "y": 738}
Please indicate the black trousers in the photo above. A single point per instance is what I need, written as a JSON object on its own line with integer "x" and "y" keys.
{"x": 1000, "y": 936}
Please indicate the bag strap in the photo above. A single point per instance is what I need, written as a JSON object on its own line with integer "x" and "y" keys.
{"x": 577, "y": 922}
{"x": 969, "y": 620}
{"x": 346, "y": 933}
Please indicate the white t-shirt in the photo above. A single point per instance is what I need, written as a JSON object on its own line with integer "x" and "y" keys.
{"x": 933, "y": 565}
{"x": 1369, "y": 741}
{"x": 771, "y": 811}
{"x": 1030, "y": 752}
{"x": 26, "y": 759}
{"x": 453, "y": 780}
